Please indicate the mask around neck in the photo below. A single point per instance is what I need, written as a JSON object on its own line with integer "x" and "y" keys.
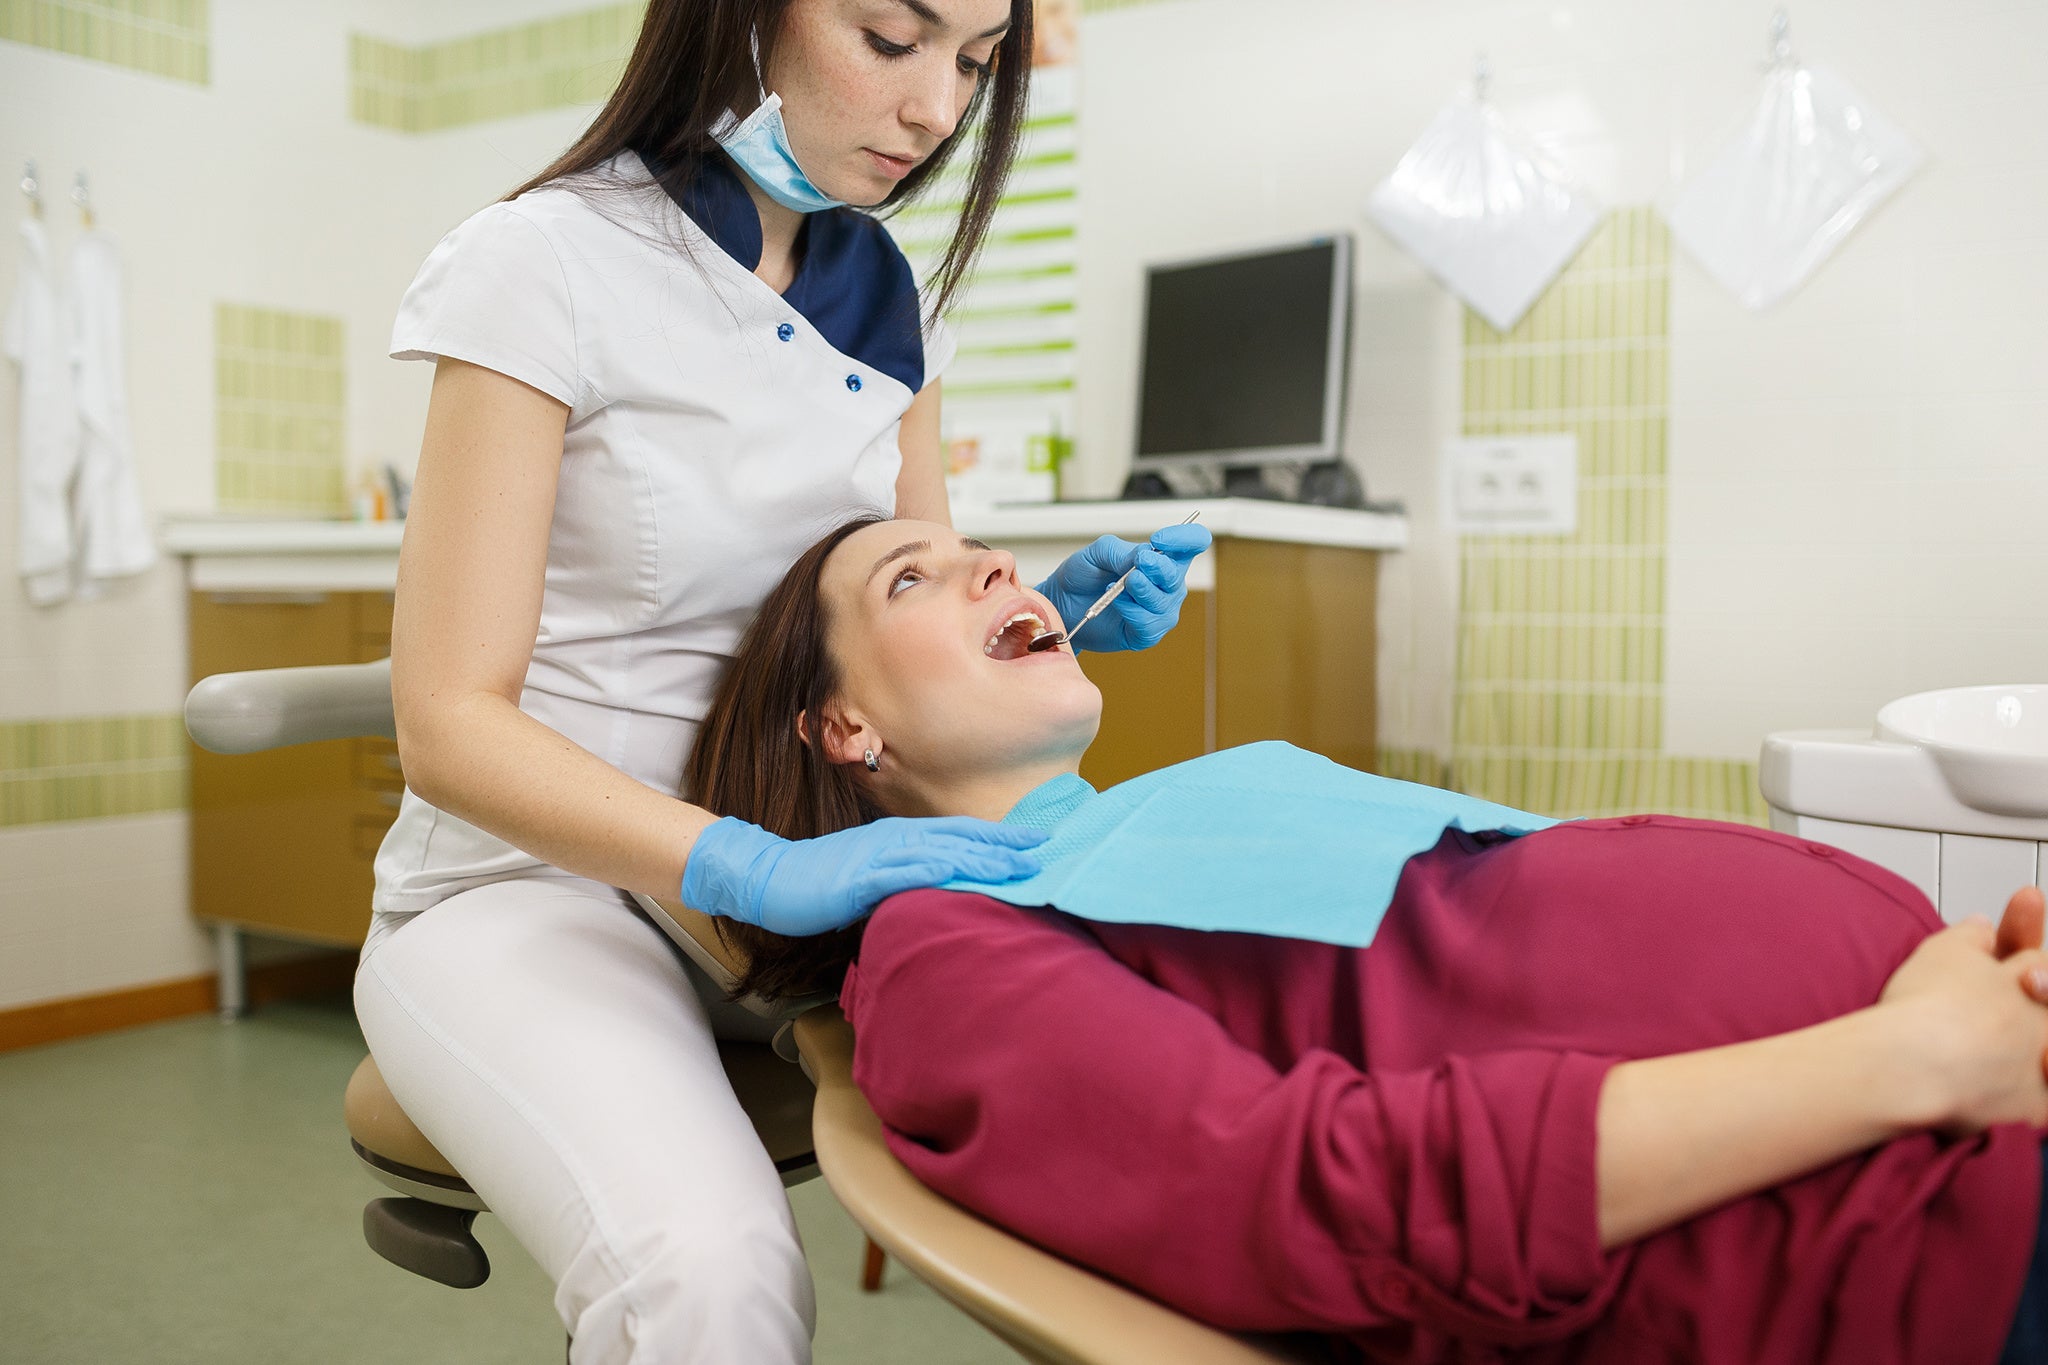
{"x": 760, "y": 144}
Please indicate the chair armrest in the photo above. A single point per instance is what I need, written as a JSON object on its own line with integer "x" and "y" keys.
{"x": 1048, "y": 1310}
{"x": 266, "y": 708}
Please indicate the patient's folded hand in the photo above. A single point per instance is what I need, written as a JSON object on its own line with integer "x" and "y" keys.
{"x": 1979, "y": 1043}
{"x": 2021, "y": 927}
{"x": 2019, "y": 930}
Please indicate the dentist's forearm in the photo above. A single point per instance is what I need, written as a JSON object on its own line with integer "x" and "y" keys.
{"x": 1682, "y": 1134}
{"x": 482, "y": 759}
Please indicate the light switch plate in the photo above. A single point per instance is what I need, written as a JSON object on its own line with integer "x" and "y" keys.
{"x": 1511, "y": 485}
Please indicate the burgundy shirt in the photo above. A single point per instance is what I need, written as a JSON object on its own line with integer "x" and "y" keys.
{"x": 1395, "y": 1145}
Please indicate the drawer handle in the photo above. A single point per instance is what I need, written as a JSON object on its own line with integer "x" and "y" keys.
{"x": 391, "y": 799}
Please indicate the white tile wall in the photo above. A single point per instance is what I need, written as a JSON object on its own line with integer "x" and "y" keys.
{"x": 95, "y": 905}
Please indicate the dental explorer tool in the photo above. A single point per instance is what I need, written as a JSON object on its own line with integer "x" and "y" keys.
{"x": 1053, "y": 638}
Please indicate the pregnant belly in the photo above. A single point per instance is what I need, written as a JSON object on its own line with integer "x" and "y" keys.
{"x": 1636, "y": 937}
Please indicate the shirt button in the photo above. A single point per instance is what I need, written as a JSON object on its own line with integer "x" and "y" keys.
{"x": 1820, "y": 850}
{"x": 785, "y": 332}
{"x": 1635, "y": 819}
{"x": 853, "y": 382}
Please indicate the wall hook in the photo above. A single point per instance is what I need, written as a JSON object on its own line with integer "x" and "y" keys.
{"x": 33, "y": 188}
{"x": 1780, "y": 53}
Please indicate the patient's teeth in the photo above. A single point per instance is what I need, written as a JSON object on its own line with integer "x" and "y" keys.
{"x": 1032, "y": 617}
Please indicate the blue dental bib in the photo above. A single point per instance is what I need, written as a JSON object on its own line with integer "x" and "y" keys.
{"x": 1262, "y": 839}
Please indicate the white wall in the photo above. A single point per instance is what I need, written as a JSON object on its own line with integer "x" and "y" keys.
{"x": 259, "y": 190}
{"x": 1859, "y": 479}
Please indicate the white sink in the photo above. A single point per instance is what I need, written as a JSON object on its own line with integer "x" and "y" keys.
{"x": 1989, "y": 743}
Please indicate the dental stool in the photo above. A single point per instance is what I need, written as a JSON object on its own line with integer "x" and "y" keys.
{"x": 425, "y": 1227}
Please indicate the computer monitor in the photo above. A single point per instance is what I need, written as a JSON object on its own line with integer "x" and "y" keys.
{"x": 1245, "y": 357}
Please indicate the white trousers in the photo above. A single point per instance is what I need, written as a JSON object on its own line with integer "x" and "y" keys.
{"x": 548, "y": 1040}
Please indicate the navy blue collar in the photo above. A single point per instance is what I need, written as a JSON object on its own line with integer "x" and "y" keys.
{"x": 852, "y": 283}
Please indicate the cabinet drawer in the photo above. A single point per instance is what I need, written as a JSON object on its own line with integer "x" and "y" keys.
{"x": 369, "y": 835}
{"x": 372, "y": 625}
{"x": 379, "y": 804}
{"x": 376, "y": 765}
{"x": 282, "y": 841}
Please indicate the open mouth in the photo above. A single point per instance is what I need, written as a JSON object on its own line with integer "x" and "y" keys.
{"x": 1016, "y": 634}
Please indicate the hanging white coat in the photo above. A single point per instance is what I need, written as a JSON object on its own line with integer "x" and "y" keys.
{"x": 107, "y": 501}
{"x": 37, "y": 343}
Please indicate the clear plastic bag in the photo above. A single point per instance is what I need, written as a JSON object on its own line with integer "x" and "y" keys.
{"x": 1484, "y": 211}
{"x": 1814, "y": 161}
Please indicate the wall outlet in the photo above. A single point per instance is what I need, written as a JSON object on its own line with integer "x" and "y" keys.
{"x": 1511, "y": 485}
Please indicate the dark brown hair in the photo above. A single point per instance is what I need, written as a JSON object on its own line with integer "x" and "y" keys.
{"x": 694, "y": 61}
{"x": 750, "y": 762}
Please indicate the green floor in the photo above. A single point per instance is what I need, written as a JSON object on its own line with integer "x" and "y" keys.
{"x": 185, "y": 1193}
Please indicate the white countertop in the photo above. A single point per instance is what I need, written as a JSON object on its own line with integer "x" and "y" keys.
{"x": 229, "y": 554}
{"x": 236, "y": 536}
{"x": 1248, "y": 518}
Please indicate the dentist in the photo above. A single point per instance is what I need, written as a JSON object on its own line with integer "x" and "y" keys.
{"x": 663, "y": 368}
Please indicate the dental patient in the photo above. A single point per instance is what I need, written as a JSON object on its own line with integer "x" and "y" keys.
{"x": 1620, "y": 1091}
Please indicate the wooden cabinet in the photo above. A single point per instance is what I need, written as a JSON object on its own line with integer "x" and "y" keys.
{"x": 283, "y": 841}
{"x": 1281, "y": 648}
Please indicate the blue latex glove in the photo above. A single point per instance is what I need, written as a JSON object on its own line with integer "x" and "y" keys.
{"x": 809, "y": 886}
{"x": 1150, "y": 603}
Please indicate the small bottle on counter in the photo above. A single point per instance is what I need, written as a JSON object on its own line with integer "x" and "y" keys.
{"x": 370, "y": 502}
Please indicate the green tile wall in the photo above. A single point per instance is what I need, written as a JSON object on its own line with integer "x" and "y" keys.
{"x": 1016, "y": 322}
{"x": 569, "y": 59}
{"x": 278, "y": 412}
{"x": 162, "y": 37}
{"x": 1413, "y": 765}
{"x": 91, "y": 767}
{"x": 1559, "y": 701}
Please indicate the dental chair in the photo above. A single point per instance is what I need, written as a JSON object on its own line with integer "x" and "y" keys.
{"x": 1046, "y": 1309}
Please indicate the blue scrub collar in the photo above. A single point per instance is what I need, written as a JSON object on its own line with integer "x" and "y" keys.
{"x": 1048, "y": 803}
{"x": 851, "y": 283}
{"x": 718, "y": 203}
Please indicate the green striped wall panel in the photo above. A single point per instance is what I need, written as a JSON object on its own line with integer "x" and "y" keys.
{"x": 162, "y": 37}
{"x": 567, "y": 59}
{"x": 278, "y": 412}
{"x": 91, "y": 767}
{"x": 1559, "y": 701}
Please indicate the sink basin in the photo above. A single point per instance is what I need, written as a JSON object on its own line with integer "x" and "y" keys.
{"x": 1989, "y": 743}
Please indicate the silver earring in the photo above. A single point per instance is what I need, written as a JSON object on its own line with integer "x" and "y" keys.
{"x": 874, "y": 764}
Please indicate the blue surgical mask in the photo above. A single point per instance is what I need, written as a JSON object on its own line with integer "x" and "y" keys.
{"x": 760, "y": 144}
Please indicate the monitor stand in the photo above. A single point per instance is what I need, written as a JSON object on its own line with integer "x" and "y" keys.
{"x": 1331, "y": 483}
{"x": 1328, "y": 483}
{"x": 1249, "y": 481}
{"x": 1145, "y": 484}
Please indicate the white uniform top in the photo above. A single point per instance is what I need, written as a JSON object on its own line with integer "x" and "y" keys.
{"x": 716, "y": 429}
